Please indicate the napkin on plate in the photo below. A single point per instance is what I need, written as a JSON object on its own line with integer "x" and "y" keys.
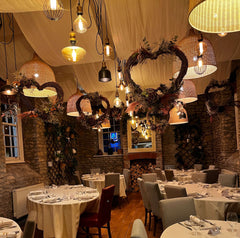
{"x": 196, "y": 220}
{"x": 38, "y": 197}
{"x": 37, "y": 192}
{"x": 50, "y": 200}
{"x": 5, "y": 223}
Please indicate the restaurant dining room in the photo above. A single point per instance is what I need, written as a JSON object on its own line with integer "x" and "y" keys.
{"x": 120, "y": 118}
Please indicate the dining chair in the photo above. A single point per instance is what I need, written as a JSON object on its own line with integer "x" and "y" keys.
{"x": 198, "y": 167}
{"x": 228, "y": 180}
{"x": 212, "y": 175}
{"x": 169, "y": 166}
{"x": 138, "y": 229}
{"x": 169, "y": 174}
{"x": 146, "y": 202}
{"x": 103, "y": 216}
{"x": 199, "y": 177}
{"x": 149, "y": 177}
{"x": 160, "y": 175}
{"x": 176, "y": 210}
{"x": 175, "y": 191}
{"x": 30, "y": 225}
{"x": 154, "y": 196}
{"x": 211, "y": 166}
{"x": 232, "y": 207}
{"x": 95, "y": 171}
{"x": 126, "y": 174}
{"x": 113, "y": 179}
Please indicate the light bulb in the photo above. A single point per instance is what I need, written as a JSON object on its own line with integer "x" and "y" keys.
{"x": 80, "y": 24}
{"x": 74, "y": 55}
{"x": 107, "y": 50}
{"x": 117, "y": 102}
{"x": 120, "y": 75}
{"x": 222, "y": 34}
{"x": 121, "y": 87}
{"x": 127, "y": 90}
{"x": 131, "y": 113}
{"x": 200, "y": 68}
{"x": 127, "y": 103}
{"x": 133, "y": 121}
{"x": 97, "y": 116}
{"x": 146, "y": 136}
{"x": 53, "y": 4}
{"x": 99, "y": 129}
{"x": 201, "y": 47}
{"x": 36, "y": 75}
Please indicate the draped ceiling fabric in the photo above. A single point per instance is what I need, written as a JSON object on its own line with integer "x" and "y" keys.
{"x": 129, "y": 22}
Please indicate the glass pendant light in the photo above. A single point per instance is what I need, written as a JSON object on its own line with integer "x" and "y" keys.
{"x": 117, "y": 101}
{"x": 80, "y": 24}
{"x": 107, "y": 49}
{"x": 53, "y": 9}
{"x": 73, "y": 53}
{"x": 104, "y": 74}
{"x": 8, "y": 89}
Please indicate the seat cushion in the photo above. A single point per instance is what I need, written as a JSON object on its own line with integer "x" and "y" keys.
{"x": 89, "y": 220}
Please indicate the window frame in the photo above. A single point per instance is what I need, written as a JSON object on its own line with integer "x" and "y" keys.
{"x": 101, "y": 140}
{"x": 20, "y": 158}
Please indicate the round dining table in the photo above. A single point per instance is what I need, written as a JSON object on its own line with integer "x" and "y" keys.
{"x": 98, "y": 181}
{"x": 211, "y": 200}
{"x": 180, "y": 231}
{"x": 9, "y": 228}
{"x": 59, "y": 208}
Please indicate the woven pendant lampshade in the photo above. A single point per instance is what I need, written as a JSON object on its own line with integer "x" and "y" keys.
{"x": 84, "y": 104}
{"x": 215, "y": 16}
{"x": 42, "y": 73}
{"x": 187, "y": 92}
{"x": 178, "y": 115}
{"x": 189, "y": 46}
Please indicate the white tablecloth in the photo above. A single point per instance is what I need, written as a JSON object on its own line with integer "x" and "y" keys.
{"x": 11, "y": 228}
{"x": 179, "y": 231}
{"x": 213, "y": 204}
{"x": 59, "y": 208}
{"x": 98, "y": 182}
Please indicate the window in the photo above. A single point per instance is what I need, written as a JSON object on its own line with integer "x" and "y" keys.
{"x": 109, "y": 139}
{"x": 12, "y": 134}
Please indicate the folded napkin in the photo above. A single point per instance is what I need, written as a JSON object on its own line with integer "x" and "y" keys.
{"x": 37, "y": 192}
{"x": 8, "y": 234}
{"x": 5, "y": 223}
{"x": 51, "y": 200}
{"x": 91, "y": 191}
{"x": 38, "y": 197}
{"x": 236, "y": 196}
{"x": 196, "y": 220}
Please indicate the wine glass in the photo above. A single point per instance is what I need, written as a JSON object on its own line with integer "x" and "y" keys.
{"x": 232, "y": 219}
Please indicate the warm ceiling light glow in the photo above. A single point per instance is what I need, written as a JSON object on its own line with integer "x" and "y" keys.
{"x": 80, "y": 24}
{"x": 107, "y": 49}
{"x": 222, "y": 34}
{"x": 53, "y": 9}
{"x": 178, "y": 115}
{"x": 73, "y": 53}
{"x": 117, "y": 101}
{"x": 215, "y": 16}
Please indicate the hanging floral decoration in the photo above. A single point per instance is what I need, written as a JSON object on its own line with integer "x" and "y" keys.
{"x": 95, "y": 119}
{"x": 155, "y": 102}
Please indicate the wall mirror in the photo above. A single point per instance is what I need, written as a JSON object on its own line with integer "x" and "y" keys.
{"x": 140, "y": 139}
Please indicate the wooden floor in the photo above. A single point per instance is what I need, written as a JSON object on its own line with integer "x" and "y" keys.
{"x": 122, "y": 219}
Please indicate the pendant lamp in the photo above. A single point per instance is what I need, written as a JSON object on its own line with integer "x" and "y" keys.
{"x": 187, "y": 92}
{"x": 215, "y": 16}
{"x": 73, "y": 53}
{"x": 178, "y": 115}
{"x": 200, "y": 55}
{"x": 53, "y": 9}
{"x": 105, "y": 125}
{"x": 42, "y": 73}
{"x": 80, "y": 24}
{"x": 8, "y": 89}
{"x": 71, "y": 105}
{"x": 104, "y": 74}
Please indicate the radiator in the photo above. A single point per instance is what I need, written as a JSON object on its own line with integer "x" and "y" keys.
{"x": 20, "y": 199}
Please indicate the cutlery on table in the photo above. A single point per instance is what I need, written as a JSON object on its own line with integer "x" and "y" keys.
{"x": 185, "y": 226}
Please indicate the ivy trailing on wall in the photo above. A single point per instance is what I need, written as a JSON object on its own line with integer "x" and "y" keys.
{"x": 62, "y": 153}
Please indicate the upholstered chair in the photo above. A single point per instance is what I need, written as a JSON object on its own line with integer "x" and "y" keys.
{"x": 113, "y": 178}
{"x": 212, "y": 175}
{"x": 154, "y": 196}
{"x": 138, "y": 229}
{"x": 176, "y": 210}
{"x": 146, "y": 202}
{"x": 30, "y": 225}
{"x": 150, "y": 177}
{"x": 228, "y": 180}
{"x": 126, "y": 174}
{"x": 198, "y": 167}
{"x": 95, "y": 171}
{"x": 160, "y": 174}
{"x": 175, "y": 191}
{"x": 169, "y": 166}
{"x": 211, "y": 166}
{"x": 199, "y": 177}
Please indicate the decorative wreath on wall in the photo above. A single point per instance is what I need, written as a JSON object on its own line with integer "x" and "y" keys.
{"x": 156, "y": 102}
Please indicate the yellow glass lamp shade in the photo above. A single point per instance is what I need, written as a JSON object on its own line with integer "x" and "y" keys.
{"x": 42, "y": 73}
{"x": 215, "y": 16}
{"x": 178, "y": 116}
{"x": 73, "y": 53}
{"x": 187, "y": 92}
{"x": 190, "y": 47}
{"x": 80, "y": 24}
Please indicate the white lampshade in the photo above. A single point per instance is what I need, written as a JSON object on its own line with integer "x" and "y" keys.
{"x": 215, "y": 16}
{"x": 42, "y": 73}
{"x": 189, "y": 46}
{"x": 187, "y": 92}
